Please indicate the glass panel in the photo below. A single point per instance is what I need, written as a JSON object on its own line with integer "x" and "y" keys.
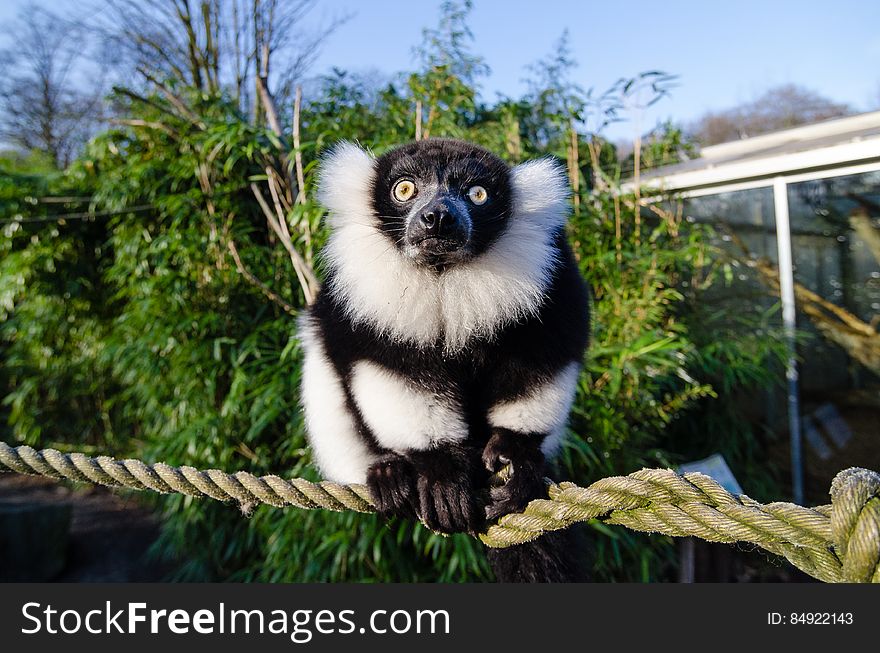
{"x": 835, "y": 225}
{"x": 746, "y": 226}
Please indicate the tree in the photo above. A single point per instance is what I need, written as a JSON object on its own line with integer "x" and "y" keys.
{"x": 556, "y": 99}
{"x": 47, "y": 103}
{"x": 449, "y": 44}
{"x": 215, "y": 45}
{"x": 778, "y": 108}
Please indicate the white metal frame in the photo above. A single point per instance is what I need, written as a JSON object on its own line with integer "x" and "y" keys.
{"x": 713, "y": 174}
{"x": 789, "y": 321}
{"x": 846, "y": 127}
{"x": 767, "y": 182}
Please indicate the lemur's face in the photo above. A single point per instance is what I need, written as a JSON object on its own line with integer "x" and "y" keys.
{"x": 440, "y": 238}
{"x": 441, "y": 201}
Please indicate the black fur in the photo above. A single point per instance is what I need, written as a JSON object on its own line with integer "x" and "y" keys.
{"x": 444, "y": 486}
{"x": 552, "y": 558}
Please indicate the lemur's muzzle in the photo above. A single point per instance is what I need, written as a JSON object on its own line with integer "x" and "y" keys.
{"x": 440, "y": 227}
{"x": 437, "y": 221}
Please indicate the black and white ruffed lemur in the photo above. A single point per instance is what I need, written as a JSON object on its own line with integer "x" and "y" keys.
{"x": 448, "y": 337}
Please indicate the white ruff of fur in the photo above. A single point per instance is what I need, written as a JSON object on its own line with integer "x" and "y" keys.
{"x": 380, "y": 286}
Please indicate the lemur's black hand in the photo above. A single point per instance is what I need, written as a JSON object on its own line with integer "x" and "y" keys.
{"x": 523, "y": 453}
{"x": 439, "y": 486}
{"x": 448, "y": 482}
{"x": 391, "y": 480}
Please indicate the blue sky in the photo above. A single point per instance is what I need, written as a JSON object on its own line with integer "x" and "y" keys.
{"x": 724, "y": 52}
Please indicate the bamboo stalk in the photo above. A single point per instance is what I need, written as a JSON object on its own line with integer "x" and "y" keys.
{"x": 307, "y": 280}
{"x": 574, "y": 167}
{"x": 297, "y": 153}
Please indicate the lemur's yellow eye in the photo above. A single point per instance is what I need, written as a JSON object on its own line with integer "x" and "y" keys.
{"x": 478, "y": 195}
{"x": 404, "y": 190}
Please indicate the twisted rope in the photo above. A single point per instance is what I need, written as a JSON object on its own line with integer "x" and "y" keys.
{"x": 836, "y": 543}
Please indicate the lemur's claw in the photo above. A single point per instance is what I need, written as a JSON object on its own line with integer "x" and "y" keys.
{"x": 526, "y": 478}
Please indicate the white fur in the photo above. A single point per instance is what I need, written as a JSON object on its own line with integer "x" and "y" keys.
{"x": 550, "y": 445}
{"x": 540, "y": 192}
{"x": 380, "y": 286}
{"x": 544, "y": 410}
{"x": 345, "y": 183}
{"x": 402, "y": 415}
{"x": 340, "y": 452}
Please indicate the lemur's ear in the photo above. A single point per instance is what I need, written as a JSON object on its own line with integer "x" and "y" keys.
{"x": 541, "y": 192}
{"x": 345, "y": 180}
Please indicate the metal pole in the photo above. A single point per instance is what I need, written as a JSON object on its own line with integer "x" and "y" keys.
{"x": 786, "y": 292}
{"x": 687, "y": 556}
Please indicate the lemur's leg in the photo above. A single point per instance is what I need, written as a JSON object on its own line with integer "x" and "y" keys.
{"x": 525, "y": 428}
{"x": 430, "y": 470}
{"x": 522, "y": 452}
{"x": 340, "y": 451}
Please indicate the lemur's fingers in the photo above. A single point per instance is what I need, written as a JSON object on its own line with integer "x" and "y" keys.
{"x": 526, "y": 482}
{"x": 448, "y": 507}
{"x": 506, "y": 447}
{"x": 471, "y": 511}
{"x": 494, "y": 459}
{"x": 435, "y": 508}
{"x": 445, "y": 493}
{"x": 447, "y": 519}
{"x": 463, "y": 509}
{"x": 426, "y": 510}
{"x": 391, "y": 482}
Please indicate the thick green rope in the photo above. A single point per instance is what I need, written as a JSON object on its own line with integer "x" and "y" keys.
{"x": 836, "y": 543}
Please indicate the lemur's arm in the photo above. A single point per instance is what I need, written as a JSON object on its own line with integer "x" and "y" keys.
{"x": 525, "y": 425}
{"x": 428, "y": 466}
{"x": 440, "y": 481}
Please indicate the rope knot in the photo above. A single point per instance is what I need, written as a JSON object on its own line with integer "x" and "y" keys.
{"x": 855, "y": 524}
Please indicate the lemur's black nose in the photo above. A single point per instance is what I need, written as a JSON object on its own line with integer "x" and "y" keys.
{"x": 437, "y": 221}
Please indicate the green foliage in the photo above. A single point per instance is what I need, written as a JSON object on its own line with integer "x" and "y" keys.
{"x": 554, "y": 99}
{"x": 449, "y": 44}
{"x": 136, "y": 332}
{"x": 664, "y": 145}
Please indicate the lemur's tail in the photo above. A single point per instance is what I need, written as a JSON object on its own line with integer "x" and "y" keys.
{"x": 552, "y": 558}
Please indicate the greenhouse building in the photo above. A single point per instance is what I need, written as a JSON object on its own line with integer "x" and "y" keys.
{"x": 802, "y": 208}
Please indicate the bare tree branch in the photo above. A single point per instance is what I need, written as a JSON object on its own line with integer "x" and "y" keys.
{"x": 297, "y": 152}
{"x": 41, "y": 106}
{"x": 175, "y": 100}
{"x": 149, "y": 124}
